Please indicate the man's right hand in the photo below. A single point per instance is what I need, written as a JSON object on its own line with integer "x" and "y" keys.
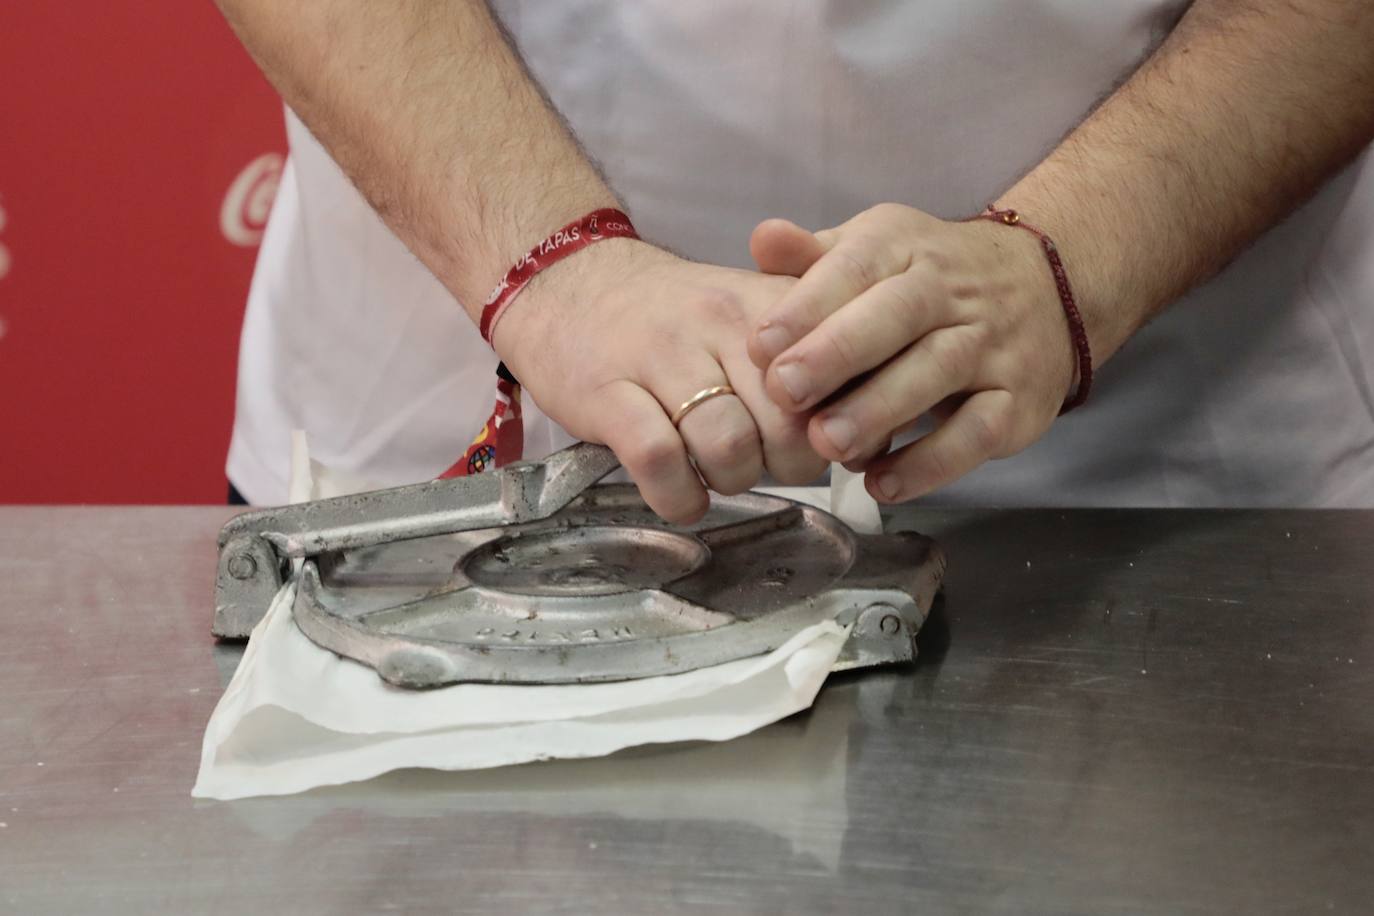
{"x": 428, "y": 110}
{"x": 611, "y": 341}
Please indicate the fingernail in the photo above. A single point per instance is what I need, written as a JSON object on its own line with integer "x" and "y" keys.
{"x": 793, "y": 378}
{"x": 841, "y": 432}
{"x": 889, "y": 485}
{"x": 773, "y": 340}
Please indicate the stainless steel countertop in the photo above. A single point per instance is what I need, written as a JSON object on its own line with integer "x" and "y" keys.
{"x": 1114, "y": 712}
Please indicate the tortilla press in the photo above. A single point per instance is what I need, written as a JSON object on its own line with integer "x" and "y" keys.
{"x": 532, "y": 574}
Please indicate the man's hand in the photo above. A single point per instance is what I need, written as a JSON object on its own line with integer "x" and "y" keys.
{"x": 1241, "y": 113}
{"x": 428, "y": 110}
{"x": 611, "y": 341}
{"x": 959, "y": 319}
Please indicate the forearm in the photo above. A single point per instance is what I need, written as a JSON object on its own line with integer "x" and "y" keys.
{"x": 430, "y": 113}
{"x": 1242, "y": 112}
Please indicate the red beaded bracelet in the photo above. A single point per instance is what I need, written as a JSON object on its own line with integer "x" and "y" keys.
{"x": 1077, "y": 332}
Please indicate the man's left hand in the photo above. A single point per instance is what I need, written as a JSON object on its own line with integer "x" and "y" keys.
{"x": 898, "y": 314}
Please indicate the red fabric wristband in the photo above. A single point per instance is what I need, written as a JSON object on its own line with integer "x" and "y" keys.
{"x": 607, "y": 223}
{"x": 502, "y": 438}
{"x": 1077, "y": 332}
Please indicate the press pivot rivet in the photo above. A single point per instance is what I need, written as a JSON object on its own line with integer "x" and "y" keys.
{"x": 242, "y": 566}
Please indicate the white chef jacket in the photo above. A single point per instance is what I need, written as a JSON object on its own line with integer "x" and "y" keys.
{"x": 710, "y": 116}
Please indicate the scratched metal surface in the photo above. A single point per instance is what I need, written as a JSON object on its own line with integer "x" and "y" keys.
{"x": 1115, "y": 712}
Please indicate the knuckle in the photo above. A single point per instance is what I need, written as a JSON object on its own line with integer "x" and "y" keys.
{"x": 986, "y": 432}
{"x": 741, "y": 444}
{"x": 653, "y": 457}
{"x": 887, "y": 211}
{"x": 953, "y": 353}
{"x": 875, "y": 408}
{"x": 733, "y": 448}
{"x": 886, "y": 412}
{"x": 928, "y": 470}
{"x": 936, "y": 468}
{"x": 662, "y": 340}
{"x": 977, "y": 337}
{"x": 845, "y": 349}
{"x": 853, "y": 267}
{"x": 932, "y": 257}
{"x": 903, "y": 303}
{"x": 721, "y": 305}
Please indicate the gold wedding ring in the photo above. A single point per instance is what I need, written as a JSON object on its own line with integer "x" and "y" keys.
{"x": 696, "y": 400}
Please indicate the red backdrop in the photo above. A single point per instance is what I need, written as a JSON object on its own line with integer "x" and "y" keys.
{"x": 138, "y": 154}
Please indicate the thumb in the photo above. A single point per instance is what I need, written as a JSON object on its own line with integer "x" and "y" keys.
{"x": 782, "y": 247}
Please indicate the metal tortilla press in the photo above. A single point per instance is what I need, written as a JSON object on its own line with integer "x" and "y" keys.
{"x": 533, "y": 575}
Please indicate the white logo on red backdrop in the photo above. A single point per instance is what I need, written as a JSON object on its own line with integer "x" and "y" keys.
{"x": 243, "y": 215}
{"x": 4, "y": 252}
{"x": 4, "y": 266}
